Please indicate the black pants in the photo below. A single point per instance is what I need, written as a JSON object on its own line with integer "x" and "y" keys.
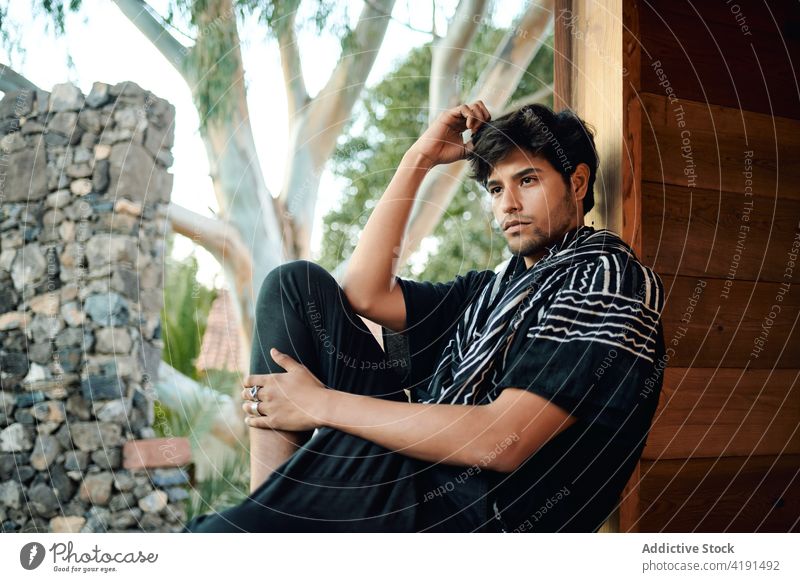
{"x": 337, "y": 481}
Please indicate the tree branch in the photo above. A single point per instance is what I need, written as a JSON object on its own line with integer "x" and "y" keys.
{"x": 137, "y": 11}
{"x": 535, "y": 97}
{"x": 219, "y": 238}
{"x": 498, "y": 80}
{"x": 353, "y": 68}
{"x": 296, "y": 92}
{"x": 495, "y": 86}
{"x": 448, "y": 56}
{"x": 177, "y": 392}
{"x": 10, "y": 80}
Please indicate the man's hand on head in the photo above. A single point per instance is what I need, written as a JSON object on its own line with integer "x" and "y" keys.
{"x": 442, "y": 142}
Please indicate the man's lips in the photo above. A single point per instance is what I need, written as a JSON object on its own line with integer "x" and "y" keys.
{"x": 512, "y": 223}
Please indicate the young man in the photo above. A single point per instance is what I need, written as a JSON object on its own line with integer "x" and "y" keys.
{"x": 532, "y": 389}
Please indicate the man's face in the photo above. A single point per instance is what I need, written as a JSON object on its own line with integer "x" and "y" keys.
{"x": 525, "y": 187}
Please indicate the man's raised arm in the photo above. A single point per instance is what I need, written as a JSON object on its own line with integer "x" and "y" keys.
{"x": 369, "y": 280}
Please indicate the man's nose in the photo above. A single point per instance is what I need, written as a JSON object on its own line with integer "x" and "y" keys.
{"x": 511, "y": 201}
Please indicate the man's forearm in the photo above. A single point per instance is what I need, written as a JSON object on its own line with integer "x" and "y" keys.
{"x": 452, "y": 434}
{"x": 370, "y": 268}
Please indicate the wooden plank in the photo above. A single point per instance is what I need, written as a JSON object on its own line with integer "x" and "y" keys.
{"x": 726, "y": 235}
{"x": 591, "y": 35}
{"x": 717, "y": 62}
{"x": 629, "y": 510}
{"x": 730, "y": 494}
{"x": 632, "y": 127}
{"x": 627, "y": 513}
{"x": 708, "y": 323}
{"x": 562, "y": 55}
{"x": 701, "y": 155}
{"x": 725, "y": 122}
{"x": 707, "y": 412}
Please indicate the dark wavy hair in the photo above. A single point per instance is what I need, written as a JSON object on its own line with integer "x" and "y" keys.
{"x": 562, "y": 138}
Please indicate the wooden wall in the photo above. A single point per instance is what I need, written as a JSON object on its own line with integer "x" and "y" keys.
{"x": 711, "y": 200}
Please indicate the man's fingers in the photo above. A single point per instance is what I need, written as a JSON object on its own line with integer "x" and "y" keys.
{"x": 251, "y": 408}
{"x": 259, "y": 422}
{"x": 285, "y": 361}
{"x": 248, "y": 395}
{"x": 469, "y": 115}
{"x": 261, "y": 379}
{"x": 486, "y": 115}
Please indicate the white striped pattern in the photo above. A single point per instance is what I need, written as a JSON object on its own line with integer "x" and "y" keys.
{"x": 589, "y": 287}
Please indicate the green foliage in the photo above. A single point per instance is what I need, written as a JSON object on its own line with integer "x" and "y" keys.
{"x": 229, "y": 486}
{"x": 185, "y": 313}
{"x": 230, "y": 483}
{"x": 386, "y": 123}
{"x": 57, "y": 10}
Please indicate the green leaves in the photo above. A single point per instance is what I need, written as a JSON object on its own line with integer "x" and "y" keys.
{"x": 385, "y": 124}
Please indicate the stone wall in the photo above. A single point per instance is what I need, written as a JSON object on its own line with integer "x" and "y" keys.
{"x": 84, "y": 189}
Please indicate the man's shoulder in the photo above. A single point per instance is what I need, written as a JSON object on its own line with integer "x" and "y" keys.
{"x": 621, "y": 275}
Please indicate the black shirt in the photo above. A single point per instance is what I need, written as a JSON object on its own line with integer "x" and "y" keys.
{"x": 574, "y": 481}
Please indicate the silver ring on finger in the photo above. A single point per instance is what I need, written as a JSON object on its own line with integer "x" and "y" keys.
{"x": 254, "y": 392}
{"x": 254, "y": 409}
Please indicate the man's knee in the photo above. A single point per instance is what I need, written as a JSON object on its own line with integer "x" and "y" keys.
{"x": 299, "y": 274}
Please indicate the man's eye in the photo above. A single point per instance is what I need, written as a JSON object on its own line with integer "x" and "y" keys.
{"x": 531, "y": 178}
{"x": 494, "y": 191}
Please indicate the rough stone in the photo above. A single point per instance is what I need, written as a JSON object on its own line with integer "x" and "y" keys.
{"x": 14, "y": 320}
{"x": 28, "y": 399}
{"x": 100, "y": 176}
{"x": 125, "y": 519}
{"x": 77, "y": 406}
{"x": 113, "y": 340}
{"x": 10, "y": 495}
{"x": 45, "y": 304}
{"x": 169, "y": 477}
{"x": 43, "y": 500}
{"x": 44, "y": 452}
{"x": 99, "y": 95}
{"x": 73, "y": 314}
{"x": 15, "y": 438}
{"x": 113, "y": 411}
{"x": 124, "y": 481}
{"x": 97, "y": 520}
{"x": 90, "y": 436}
{"x": 62, "y": 485}
{"x": 49, "y": 411}
{"x": 80, "y": 187}
{"x": 107, "y": 458}
{"x": 65, "y": 123}
{"x": 13, "y": 364}
{"x": 76, "y": 460}
{"x": 108, "y": 310}
{"x": 154, "y": 502}
{"x": 102, "y": 388}
{"x": 67, "y": 524}
{"x": 44, "y": 328}
{"x": 66, "y": 97}
{"x": 29, "y": 266}
{"x": 96, "y": 488}
{"x": 106, "y": 249}
{"x": 25, "y": 176}
{"x": 132, "y": 172}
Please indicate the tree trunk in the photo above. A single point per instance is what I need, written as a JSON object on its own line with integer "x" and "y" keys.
{"x": 317, "y": 125}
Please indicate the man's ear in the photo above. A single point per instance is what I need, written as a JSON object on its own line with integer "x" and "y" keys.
{"x": 580, "y": 181}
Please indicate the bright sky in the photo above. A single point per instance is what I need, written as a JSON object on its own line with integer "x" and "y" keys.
{"x": 104, "y": 46}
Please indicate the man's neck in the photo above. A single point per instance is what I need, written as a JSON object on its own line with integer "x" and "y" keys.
{"x": 531, "y": 260}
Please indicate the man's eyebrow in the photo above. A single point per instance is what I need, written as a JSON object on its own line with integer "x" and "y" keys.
{"x": 519, "y": 174}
